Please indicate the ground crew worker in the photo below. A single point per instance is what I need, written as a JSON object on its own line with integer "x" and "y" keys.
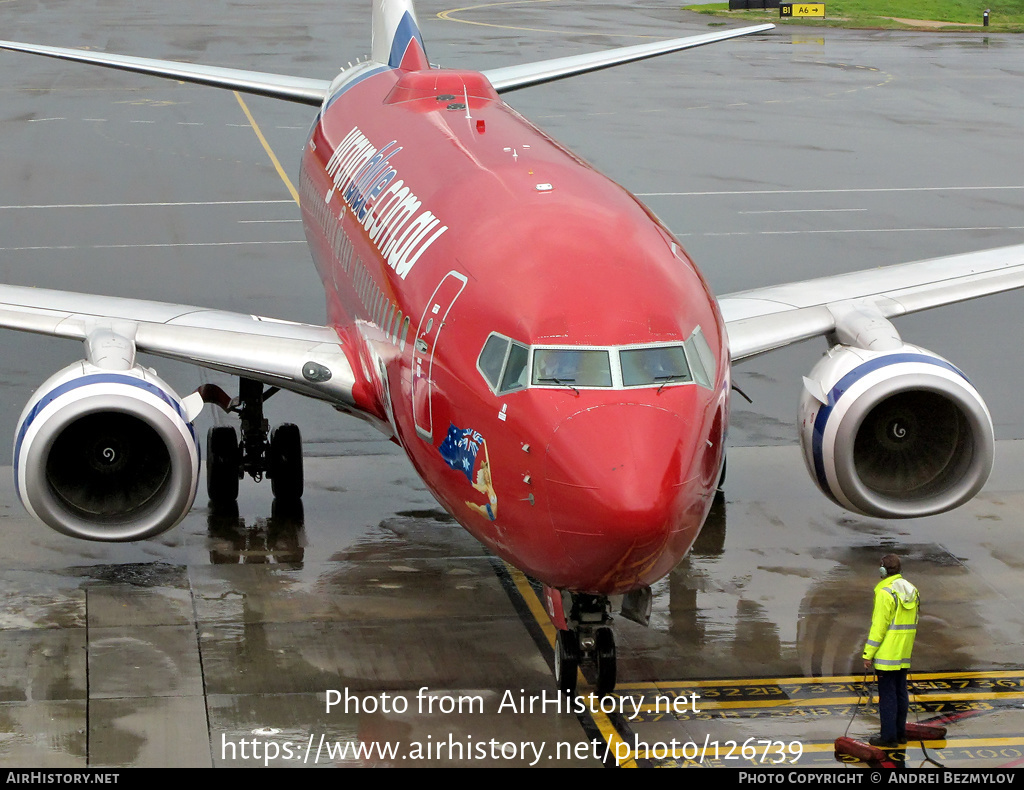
{"x": 893, "y": 628}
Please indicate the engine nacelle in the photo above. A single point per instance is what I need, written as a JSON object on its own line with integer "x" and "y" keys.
{"x": 106, "y": 454}
{"x": 895, "y": 434}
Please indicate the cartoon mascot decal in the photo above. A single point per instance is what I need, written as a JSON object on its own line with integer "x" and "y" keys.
{"x": 459, "y": 450}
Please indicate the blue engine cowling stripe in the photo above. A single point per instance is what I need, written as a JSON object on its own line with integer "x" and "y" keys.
{"x": 84, "y": 381}
{"x": 840, "y": 389}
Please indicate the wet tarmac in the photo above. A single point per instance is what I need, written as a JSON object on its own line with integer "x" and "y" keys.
{"x": 778, "y": 158}
{"x": 236, "y": 627}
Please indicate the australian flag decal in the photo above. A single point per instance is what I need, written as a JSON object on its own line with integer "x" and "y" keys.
{"x": 459, "y": 449}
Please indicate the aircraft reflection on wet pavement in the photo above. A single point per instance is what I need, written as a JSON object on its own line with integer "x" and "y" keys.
{"x": 584, "y": 452}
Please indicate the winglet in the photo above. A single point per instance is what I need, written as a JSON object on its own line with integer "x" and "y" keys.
{"x": 396, "y": 36}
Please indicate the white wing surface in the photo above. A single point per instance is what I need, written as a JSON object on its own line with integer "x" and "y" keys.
{"x": 510, "y": 78}
{"x": 303, "y": 358}
{"x": 313, "y": 91}
{"x": 764, "y": 319}
{"x": 279, "y": 86}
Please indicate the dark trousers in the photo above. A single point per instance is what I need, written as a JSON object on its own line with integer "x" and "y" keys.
{"x": 893, "y": 702}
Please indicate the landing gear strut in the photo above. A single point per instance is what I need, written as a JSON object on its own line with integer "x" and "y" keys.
{"x": 588, "y": 640}
{"x": 260, "y": 453}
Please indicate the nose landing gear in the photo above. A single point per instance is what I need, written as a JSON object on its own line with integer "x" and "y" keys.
{"x": 585, "y": 640}
{"x": 567, "y": 661}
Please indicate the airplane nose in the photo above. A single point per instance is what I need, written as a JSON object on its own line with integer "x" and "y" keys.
{"x": 621, "y": 495}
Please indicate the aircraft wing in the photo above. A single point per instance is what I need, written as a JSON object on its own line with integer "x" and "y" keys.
{"x": 314, "y": 91}
{"x": 303, "y": 358}
{"x": 764, "y": 319}
{"x": 510, "y": 78}
{"x": 279, "y": 86}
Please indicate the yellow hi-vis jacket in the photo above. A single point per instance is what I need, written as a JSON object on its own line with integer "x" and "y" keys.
{"x": 893, "y": 624}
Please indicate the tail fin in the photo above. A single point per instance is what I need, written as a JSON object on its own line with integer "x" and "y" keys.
{"x": 396, "y": 36}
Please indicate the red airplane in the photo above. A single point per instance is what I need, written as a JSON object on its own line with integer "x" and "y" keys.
{"x": 555, "y": 367}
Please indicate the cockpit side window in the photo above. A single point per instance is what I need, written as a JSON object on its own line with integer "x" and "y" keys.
{"x": 492, "y": 359}
{"x": 702, "y": 359}
{"x": 514, "y": 377}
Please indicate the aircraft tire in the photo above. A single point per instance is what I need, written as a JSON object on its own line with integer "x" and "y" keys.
{"x": 286, "y": 479}
{"x": 223, "y": 459}
{"x": 604, "y": 652}
{"x": 567, "y": 661}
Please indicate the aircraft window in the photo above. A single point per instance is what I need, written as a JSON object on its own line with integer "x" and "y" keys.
{"x": 702, "y": 360}
{"x": 515, "y": 369}
{"x": 657, "y": 366}
{"x": 707, "y": 356}
{"x": 572, "y": 367}
{"x": 492, "y": 358}
{"x": 405, "y": 333}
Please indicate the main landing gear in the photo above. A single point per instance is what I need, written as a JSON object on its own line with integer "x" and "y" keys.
{"x": 587, "y": 640}
{"x": 261, "y": 453}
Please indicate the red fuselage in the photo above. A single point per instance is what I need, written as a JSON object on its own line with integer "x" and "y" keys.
{"x": 440, "y": 228}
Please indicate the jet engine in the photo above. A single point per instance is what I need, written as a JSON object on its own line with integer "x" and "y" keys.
{"x": 896, "y": 434}
{"x": 106, "y": 454}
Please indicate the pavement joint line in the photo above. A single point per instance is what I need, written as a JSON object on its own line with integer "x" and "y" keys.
{"x": 148, "y": 246}
{"x": 842, "y": 230}
{"x": 884, "y": 230}
{"x": 851, "y": 190}
{"x": 800, "y": 210}
{"x": 158, "y": 204}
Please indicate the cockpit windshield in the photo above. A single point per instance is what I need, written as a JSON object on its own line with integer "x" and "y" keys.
{"x": 646, "y": 366}
{"x": 589, "y": 368}
{"x": 509, "y": 366}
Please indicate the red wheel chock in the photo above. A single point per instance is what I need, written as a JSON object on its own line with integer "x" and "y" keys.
{"x": 925, "y": 732}
{"x": 860, "y": 750}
